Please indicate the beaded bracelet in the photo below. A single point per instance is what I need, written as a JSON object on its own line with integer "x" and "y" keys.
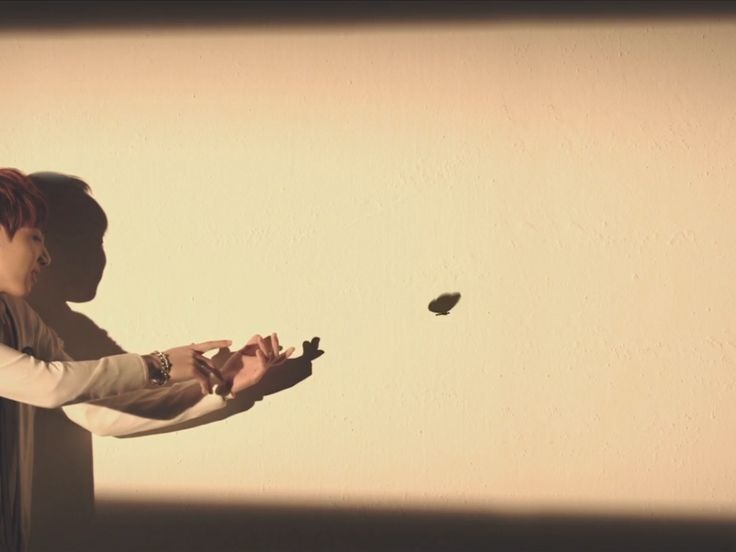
{"x": 164, "y": 369}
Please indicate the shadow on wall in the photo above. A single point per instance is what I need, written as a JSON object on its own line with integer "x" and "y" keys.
{"x": 125, "y": 526}
{"x": 66, "y": 516}
{"x": 63, "y": 488}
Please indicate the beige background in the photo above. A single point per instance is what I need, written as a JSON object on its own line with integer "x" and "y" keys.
{"x": 574, "y": 181}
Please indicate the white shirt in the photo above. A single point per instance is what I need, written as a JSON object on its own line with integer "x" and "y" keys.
{"x": 109, "y": 396}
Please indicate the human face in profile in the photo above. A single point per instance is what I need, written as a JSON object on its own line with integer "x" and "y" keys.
{"x": 21, "y": 260}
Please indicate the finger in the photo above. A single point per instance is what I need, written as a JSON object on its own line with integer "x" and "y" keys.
{"x": 263, "y": 348}
{"x": 283, "y": 356}
{"x": 207, "y": 366}
{"x": 209, "y": 345}
{"x": 268, "y": 342}
{"x": 217, "y": 375}
{"x": 263, "y": 359}
{"x": 204, "y": 360}
{"x": 254, "y": 340}
{"x": 274, "y": 344}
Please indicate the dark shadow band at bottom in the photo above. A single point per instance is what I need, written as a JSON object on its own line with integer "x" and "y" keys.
{"x": 163, "y": 526}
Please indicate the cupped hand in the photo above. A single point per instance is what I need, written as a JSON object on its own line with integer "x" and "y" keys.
{"x": 247, "y": 366}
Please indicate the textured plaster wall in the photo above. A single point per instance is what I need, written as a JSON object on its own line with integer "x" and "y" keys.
{"x": 573, "y": 181}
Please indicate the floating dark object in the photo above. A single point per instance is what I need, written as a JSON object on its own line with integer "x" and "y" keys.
{"x": 444, "y": 303}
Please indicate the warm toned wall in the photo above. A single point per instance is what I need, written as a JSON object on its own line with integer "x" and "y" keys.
{"x": 574, "y": 181}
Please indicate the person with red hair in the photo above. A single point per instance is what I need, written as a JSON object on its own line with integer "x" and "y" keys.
{"x": 35, "y": 371}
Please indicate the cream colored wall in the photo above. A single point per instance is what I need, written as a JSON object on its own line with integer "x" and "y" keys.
{"x": 573, "y": 181}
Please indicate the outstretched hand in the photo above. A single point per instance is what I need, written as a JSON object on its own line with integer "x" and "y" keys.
{"x": 247, "y": 366}
{"x": 189, "y": 362}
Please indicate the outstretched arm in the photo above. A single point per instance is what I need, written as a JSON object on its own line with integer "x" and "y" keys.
{"x": 26, "y": 379}
{"x": 153, "y": 409}
{"x": 42, "y": 374}
{"x": 114, "y": 395}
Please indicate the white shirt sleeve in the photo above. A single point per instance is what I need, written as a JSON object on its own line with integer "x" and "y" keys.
{"x": 109, "y": 396}
{"x": 26, "y": 379}
{"x": 140, "y": 410}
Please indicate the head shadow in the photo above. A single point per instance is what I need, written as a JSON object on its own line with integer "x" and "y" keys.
{"x": 62, "y": 471}
{"x": 75, "y": 230}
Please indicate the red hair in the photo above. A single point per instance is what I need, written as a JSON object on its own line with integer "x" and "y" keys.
{"x": 21, "y": 202}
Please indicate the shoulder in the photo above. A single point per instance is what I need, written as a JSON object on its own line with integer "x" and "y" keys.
{"x": 22, "y": 312}
{"x": 33, "y": 333}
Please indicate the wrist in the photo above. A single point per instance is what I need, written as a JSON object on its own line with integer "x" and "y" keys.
{"x": 159, "y": 368}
